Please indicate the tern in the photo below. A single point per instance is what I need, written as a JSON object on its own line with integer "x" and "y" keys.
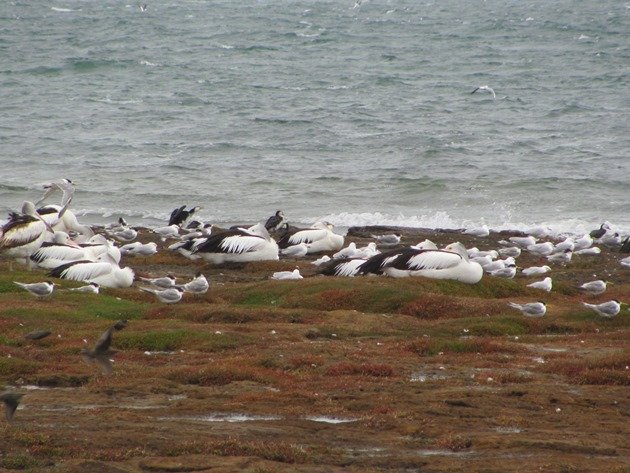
{"x": 606, "y": 309}
{"x": 38, "y": 289}
{"x": 545, "y": 284}
{"x": 593, "y": 287}
{"x": 485, "y": 88}
{"x": 171, "y": 295}
{"x": 532, "y": 309}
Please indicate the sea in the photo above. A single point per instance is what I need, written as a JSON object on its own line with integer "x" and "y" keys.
{"x": 354, "y": 112}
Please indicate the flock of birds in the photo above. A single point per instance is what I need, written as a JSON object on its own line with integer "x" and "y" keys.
{"x": 50, "y": 237}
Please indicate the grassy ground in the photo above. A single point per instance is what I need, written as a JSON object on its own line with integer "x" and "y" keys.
{"x": 321, "y": 374}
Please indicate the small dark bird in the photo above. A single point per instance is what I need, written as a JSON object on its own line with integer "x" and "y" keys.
{"x": 625, "y": 246}
{"x": 101, "y": 352}
{"x": 600, "y": 232}
{"x": 37, "y": 334}
{"x": 11, "y": 402}
{"x": 275, "y": 221}
{"x": 180, "y": 215}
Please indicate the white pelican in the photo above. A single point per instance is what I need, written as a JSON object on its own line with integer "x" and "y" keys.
{"x": 319, "y": 238}
{"x": 23, "y": 234}
{"x": 104, "y": 272}
{"x": 450, "y": 263}
{"x": 238, "y": 245}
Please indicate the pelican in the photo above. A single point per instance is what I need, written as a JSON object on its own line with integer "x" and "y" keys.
{"x": 65, "y": 222}
{"x": 319, "y": 238}
{"x": 104, "y": 271}
{"x": 450, "y": 263}
{"x": 23, "y": 234}
{"x": 238, "y": 245}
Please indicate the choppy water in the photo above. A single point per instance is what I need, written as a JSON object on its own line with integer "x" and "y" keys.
{"x": 359, "y": 115}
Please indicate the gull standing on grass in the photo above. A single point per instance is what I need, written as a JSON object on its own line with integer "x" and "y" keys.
{"x": 532, "y": 309}
{"x": 38, "y": 289}
{"x": 605, "y": 309}
{"x": 533, "y": 270}
{"x": 545, "y": 284}
{"x": 171, "y": 295}
{"x": 198, "y": 285}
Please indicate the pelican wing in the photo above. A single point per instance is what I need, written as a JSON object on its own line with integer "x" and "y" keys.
{"x": 427, "y": 259}
{"x": 58, "y": 252}
{"x": 81, "y": 270}
{"x": 242, "y": 244}
{"x": 20, "y": 231}
{"x": 307, "y": 236}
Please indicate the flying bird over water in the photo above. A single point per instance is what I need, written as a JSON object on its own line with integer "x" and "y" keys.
{"x": 485, "y": 88}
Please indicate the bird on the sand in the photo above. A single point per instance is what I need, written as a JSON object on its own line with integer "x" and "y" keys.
{"x": 545, "y": 284}
{"x": 11, "y": 402}
{"x": 101, "y": 353}
{"x": 37, "y": 334}
{"x": 38, "y": 289}
{"x": 605, "y": 309}
{"x": 170, "y": 295}
{"x": 593, "y": 287}
{"x": 531, "y": 309}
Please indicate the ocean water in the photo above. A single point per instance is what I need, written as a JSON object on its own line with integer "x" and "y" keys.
{"x": 359, "y": 115}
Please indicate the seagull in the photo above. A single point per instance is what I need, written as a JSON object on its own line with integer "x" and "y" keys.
{"x": 592, "y": 251}
{"x": 567, "y": 244}
{"x": 347, "y": 252}
{"x": 532, "y": 309}
{"x": 295, "y": 251}
{"x": 507, "y": 273}
{"x": 606, "y": 309}
{"x": 101, "y": 352}
{"x": 513, "y": 251}
{"x": 541, "y": 249}
{"x": 91, "y": 288}
{"x": 485, "y": 88}
{"x": 320, "y": 261}
{"x": 37, "y": 334}
{"x": 171, "y": 295}
{"x": 38, "y": 289}
{"x": 198, "y": 285}
{"x": 146, "y": 249}
{"x": 170, "y": 231}
{"x": 389, "y": 239}
{"x": 560, "y": 257}
{"x": 11, "y": 402}
{"x": 481, "y": 232}
{"x": 143, "y": 7}
{"x": 286, "y": 275}
{"x": 545, "y": 284}
{"x": 533, "y": 270}
{"x": 65, "y": 186}
{"x": 274, "y": 222}
{"x": 593, "y": 287}
{"x": 125, "y": 234}
{"x": 523, "y": 242}
{"x": 610, "y": 239}
{"x": 104, "y": 271}
{"x": 625, "y": 262}
{"x": 585, "y": 241}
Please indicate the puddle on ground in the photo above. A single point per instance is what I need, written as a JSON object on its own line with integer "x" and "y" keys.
{"x": 508, "y": 430}
{"x": 423, "y": 377}
{"x": 225, "y": 417}
{"x": 330, "y": 420}
{"x": 445, "y": 453}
